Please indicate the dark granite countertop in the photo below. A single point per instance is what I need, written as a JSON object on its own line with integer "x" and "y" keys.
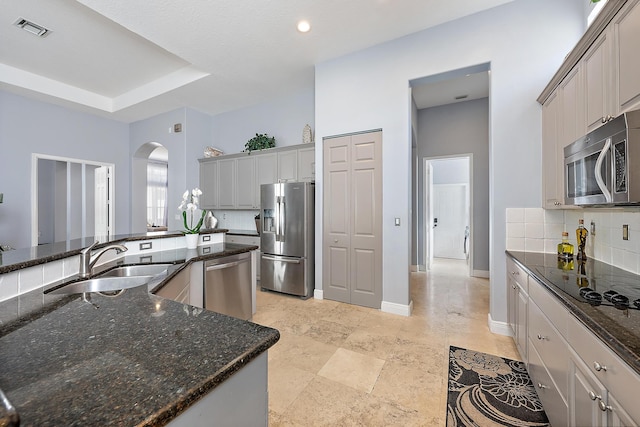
{"x": 618, "y": 327}
{"x": 26, "y": 257}
{"x": 238, "y": 232}
{"x": 138, "y": 359}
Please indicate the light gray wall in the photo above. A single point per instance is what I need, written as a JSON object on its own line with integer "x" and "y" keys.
{"x": 455, "y": 170}
{"x": 524, "y": 41}
{"x": 28, "y": 126}
{"x": 283, "y": 118}
{"x": 460, "y": 128}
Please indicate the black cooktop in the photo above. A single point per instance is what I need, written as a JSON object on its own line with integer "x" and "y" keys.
{"x": 592, "y": 282}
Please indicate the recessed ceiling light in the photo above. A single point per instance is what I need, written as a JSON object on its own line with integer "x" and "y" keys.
{"x": 32, "y": 27}
{"x": 304, "y": 26}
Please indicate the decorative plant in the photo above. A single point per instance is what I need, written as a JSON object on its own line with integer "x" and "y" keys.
{"x": 259, "y": 142}
{"x": 190, "y": 201}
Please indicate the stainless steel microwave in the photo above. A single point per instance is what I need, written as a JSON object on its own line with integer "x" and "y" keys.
{"x": 603, "y": 167}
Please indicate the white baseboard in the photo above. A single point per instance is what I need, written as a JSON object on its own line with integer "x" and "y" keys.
{"x": 399, "y": 309}
{"x": 480, "y": 273}
{"x": 500, "y": 328}
{"x": 318, "y": 294}
{"x": 415, "y": 268}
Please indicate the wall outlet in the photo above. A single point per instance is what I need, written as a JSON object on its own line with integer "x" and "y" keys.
{"x": 593, "y": 228}
{"x": 625, "y": 232}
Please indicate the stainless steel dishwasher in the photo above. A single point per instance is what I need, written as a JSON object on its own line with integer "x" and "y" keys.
{"x": 227, "y": 285}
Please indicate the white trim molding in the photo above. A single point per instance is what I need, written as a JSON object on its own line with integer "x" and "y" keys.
{"x": 399, "y": 309}
{"x": 500, "y": 328}
{"x": 480, "y": 273}
{"x": 318, "y": 294}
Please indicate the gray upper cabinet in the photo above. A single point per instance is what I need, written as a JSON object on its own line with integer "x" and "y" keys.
{"x": 233, "y": 181}
{"x": 597, "y": 91}
{"x": 266, "y": 173}
{"x": 227, "y": 184}
{"x": 245, "y": 182}
{"x": 626, "y": 29}
{"x": 307, "y": 164}
{"x": 597, "y": 82}
{"x": 287, "y": 166}
{"x": 209, "y": 185}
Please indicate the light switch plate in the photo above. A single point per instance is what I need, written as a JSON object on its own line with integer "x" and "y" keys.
{"x": 397, "y": 222}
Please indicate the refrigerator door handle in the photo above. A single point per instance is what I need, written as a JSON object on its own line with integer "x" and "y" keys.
{"x": 283, "y": 210}
{"x": 287, "y": 260}
{"x": 277, "y": 218}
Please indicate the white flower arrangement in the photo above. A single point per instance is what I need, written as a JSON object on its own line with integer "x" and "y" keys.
{"x": 190, "y": 201}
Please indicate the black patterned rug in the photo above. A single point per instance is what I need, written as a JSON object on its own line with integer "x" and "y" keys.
{"x": 486, "y": 390}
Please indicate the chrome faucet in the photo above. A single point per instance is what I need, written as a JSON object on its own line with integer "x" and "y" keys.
{"x": 86, "y": 264}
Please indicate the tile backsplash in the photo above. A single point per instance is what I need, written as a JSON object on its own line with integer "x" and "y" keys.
{"x": 540, "y": 230}
{"x": 236, "y": 219}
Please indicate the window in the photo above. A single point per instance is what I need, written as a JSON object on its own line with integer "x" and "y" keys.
{"x": 157, "y": 182}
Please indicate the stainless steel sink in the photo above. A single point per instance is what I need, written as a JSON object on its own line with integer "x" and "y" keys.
{"x": 102, "y": 284}
{"x": 116, "y": 279}
{"x": 136, "y": 270}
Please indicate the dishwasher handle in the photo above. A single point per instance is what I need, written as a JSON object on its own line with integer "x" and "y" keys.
{"x": 225, "y": 265}
{"x": 287, "y": 260}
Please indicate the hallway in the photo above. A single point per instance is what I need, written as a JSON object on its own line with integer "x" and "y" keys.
{"x": 343, "y": 365}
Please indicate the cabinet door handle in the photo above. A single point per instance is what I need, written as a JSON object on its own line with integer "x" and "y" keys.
{"x": 513, "y": 286}
{"x": 598, "y": 367}
{"x": 541, "y": 337}
{"x": 594, "y": 396}
{"x": 515, "y": 273}
{"x": 604, "y": 407}
{"x": 542, "y": 386}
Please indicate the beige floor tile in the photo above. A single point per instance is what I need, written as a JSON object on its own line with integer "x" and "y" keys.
{"x": 352, "y": 369}
{"x": 370, "y": 343}
{"x": 410, "y": 387}
{"x": 324, "y": 403}
{"x": 285, "y": 384}
{"x": 343, "y": 365}
{"x": 328, "y": 332}
{"x": 300, "y": 352}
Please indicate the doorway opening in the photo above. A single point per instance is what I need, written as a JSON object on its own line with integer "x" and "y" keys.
{"x": 149, "y": 188}
{"x": 70, "y": 199}
{"x": 448, "y": 209}
{"x": 450, "y": 119}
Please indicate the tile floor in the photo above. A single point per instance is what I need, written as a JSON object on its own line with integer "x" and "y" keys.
{"x": 344, "y": 365}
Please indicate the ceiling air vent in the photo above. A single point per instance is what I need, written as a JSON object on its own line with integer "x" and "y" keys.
{"x": 32, "y": 27}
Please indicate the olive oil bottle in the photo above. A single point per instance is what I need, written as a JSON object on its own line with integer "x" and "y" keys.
{"x": 581, "y": 239}
{"x": 565, "y": 249}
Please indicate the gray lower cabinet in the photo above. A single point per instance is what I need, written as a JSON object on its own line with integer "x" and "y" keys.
{"x": 518, "y": 288}
{"x": 603, "y": 388}
{"x": 579, "y": 379}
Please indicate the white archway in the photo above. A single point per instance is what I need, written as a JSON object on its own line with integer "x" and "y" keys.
{"x": 139, "y": 185}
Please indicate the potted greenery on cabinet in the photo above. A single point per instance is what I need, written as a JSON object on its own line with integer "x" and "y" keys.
{"x": 259, "y": 142}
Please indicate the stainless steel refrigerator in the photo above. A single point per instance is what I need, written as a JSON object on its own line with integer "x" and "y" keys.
{"x": 287, "y": 237}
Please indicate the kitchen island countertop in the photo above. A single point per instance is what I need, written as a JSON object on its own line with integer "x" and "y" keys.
{"x": 138, "y": 359}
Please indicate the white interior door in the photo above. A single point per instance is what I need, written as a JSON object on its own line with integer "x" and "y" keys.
{"x": 428, "y": 200}
{"x": 450, "y": 219}
{"x": 101, "y": 201}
